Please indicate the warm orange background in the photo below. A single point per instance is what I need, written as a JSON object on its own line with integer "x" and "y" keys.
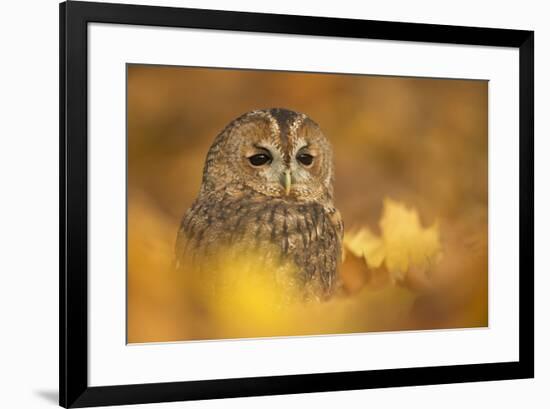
{"x": 422, "y": 142}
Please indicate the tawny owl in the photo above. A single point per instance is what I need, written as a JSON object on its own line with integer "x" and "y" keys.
{"x": 268, "y": 182}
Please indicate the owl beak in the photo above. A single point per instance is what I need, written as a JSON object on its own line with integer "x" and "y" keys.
{"x": 287, "y": 182}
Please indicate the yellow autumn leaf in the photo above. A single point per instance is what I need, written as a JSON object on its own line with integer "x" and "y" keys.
{"x": 407, "y": 244}
{"x": 404, "y": 245}
{"x": 364, "y": 243}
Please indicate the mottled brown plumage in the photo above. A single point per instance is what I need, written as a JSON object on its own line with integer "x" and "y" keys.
{"x": 268, "y": 186}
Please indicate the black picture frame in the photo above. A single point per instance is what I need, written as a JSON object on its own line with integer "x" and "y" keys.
{"x": 74, "y": 390}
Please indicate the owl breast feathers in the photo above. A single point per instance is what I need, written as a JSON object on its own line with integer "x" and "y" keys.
{"x": 267, "y": 187}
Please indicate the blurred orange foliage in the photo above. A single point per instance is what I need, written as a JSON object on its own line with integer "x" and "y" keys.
{"x": 411, "y": 184}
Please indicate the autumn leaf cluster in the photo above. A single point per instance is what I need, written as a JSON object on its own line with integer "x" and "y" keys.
{"x": 403, "y": 247}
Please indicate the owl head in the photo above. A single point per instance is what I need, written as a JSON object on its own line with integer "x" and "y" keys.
{"x": 274, "y": 152}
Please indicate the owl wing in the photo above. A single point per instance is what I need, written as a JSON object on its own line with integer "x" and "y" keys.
{"x": 180, "y": 248}
{"x": 338, "y": 225}
{"x": 183, "y": 236}
{"x": 336, "y": 220}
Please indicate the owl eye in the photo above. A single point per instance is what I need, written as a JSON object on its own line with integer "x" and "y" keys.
{"x": 259, "y": 159}
{"x": 305, "y": 159}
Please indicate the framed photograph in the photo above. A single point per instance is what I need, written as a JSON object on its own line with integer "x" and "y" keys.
{"x": 257, "y": 204}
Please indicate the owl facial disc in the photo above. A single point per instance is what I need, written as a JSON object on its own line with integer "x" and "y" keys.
{"x": 275, "y": 152}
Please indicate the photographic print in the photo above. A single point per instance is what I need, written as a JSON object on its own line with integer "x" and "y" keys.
{"x": 278, "y": 204}
{"x": 277, "y": 222}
